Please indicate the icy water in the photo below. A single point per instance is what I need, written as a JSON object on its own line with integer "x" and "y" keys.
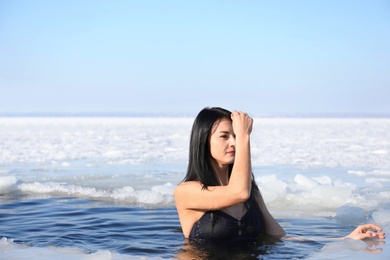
{"x": 102, "y": 188}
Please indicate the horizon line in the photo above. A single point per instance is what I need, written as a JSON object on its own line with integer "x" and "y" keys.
{"x": 170, "y": 114}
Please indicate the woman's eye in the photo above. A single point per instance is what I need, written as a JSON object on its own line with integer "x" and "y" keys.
{"x": 224, "y": 136}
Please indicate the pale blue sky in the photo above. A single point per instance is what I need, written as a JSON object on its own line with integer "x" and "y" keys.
{"x": 175, "y": 57}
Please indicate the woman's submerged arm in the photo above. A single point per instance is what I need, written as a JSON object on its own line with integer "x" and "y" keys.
{"x": 272, "y": 227}
{"x": 362, "y": 232}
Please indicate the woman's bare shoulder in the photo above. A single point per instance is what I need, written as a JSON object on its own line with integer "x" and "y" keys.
{"x": 185, "y": 190}
{"x": 183, "y": 186}
{"x": 187, "y": 183}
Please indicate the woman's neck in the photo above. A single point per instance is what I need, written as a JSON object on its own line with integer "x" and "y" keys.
{"x": 222, "y": 174}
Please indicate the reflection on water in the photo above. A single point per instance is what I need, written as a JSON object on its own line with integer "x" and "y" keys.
{"x": 264, "y": 248}
{"x": 252, "y": 250}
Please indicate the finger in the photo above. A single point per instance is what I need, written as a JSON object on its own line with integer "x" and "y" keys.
{"x": 240, "y": 112}
{"x": 234, "y": 112}
{"x": 372, "y": 226}
{"x": 368, "y": 234}
{"x": 372, "y": 234}
{"x": 381, "y": 235}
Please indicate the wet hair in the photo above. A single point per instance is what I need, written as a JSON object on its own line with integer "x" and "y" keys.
{"x": 199, "y": 164}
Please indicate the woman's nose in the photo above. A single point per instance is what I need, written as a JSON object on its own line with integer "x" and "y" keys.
{"x": 232, "y": 141}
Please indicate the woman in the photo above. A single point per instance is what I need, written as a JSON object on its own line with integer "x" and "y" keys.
{"x": 219, "y": 201}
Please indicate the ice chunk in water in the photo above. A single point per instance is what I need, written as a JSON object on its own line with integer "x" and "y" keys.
{"x": 167, "y": 188}
{"x": 350, "y": 214}
{"x": 305, "y": 182}
{"x": 7, "y": 183}
{"x": 149, "y": 197}
{"x": 381, "y": 217}
{"x": 99, "y": 255}
{"x": 271, "y": 188}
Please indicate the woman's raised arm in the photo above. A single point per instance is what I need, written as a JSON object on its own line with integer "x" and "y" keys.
{"x": 192, "y": 195}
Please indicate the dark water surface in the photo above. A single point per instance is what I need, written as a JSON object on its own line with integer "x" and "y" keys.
{"x": 92, "y": 225}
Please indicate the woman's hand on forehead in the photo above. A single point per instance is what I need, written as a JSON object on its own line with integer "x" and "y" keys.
{"x": 242, "y": 123}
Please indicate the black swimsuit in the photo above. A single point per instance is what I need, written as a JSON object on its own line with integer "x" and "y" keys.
{"x": 218, "y": 226}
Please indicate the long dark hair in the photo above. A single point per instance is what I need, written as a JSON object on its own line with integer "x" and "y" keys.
{"x": 199, "y": 164}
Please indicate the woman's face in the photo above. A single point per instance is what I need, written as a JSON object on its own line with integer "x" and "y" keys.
{"x": 222, "y": 142}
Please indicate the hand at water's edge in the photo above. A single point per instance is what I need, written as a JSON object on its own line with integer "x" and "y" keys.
{"x": 360, "y": 233}
{"x": 366, "y": 231}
